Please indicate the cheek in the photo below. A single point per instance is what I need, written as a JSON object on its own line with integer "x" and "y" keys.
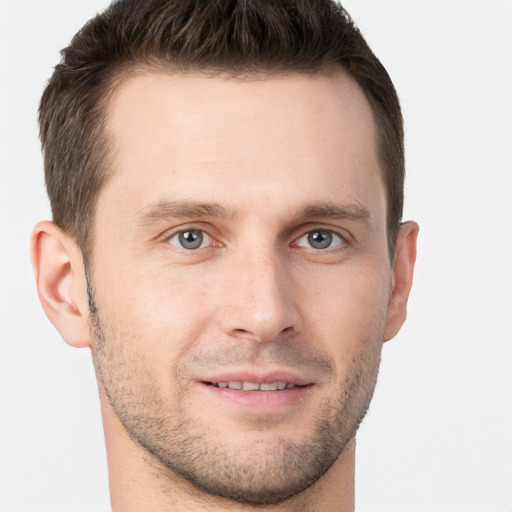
{"x": 349, "y": 309}
{"x": 162, "y": 312}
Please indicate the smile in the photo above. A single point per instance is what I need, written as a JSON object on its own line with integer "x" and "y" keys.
{"x": 258, "y": 393}
{"x": 253, "y": 386}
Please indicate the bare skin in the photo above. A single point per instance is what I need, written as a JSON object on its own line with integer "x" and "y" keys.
{"x": 242, "y": 239}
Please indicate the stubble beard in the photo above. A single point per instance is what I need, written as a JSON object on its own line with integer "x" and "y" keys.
{"x": 260, "y": 474}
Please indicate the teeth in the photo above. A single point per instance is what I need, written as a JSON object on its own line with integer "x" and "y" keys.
{"x": 253, "y": 386}
{"x": 250, "y": 386}
{"x": 268, "y": 386}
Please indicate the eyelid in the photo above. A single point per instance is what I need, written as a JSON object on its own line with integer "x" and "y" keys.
{"x": 346, "y": 237}
{"x": 205, "y": 242}
{"x": 192, "y": 226}
{"x": 335, "y": 245}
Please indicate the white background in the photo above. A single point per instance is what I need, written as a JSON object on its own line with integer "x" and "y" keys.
{"x": 439, "y": 433}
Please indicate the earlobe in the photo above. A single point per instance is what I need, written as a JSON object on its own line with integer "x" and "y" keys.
{"x": 403, "y": 269}
{"x": 61, "y": 284}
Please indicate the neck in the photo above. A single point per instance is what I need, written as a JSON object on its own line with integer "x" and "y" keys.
{"x": 139, "y": 482}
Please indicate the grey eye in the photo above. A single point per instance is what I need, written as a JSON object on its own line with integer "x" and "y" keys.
{"x": 189, "y": 239}
{"x": 320, "y": 239}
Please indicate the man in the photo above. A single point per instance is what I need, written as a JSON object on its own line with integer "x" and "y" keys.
{"x": 226, "y": 181}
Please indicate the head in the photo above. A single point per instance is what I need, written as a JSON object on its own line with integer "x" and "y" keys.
{"x": 226, "y": 179}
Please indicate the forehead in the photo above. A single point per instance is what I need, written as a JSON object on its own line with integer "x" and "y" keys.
{"x": 230, "y": 140}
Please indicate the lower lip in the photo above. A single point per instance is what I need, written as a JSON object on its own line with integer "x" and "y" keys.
{"x": 259, "y": 401}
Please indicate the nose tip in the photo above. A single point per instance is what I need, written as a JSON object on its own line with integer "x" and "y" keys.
{"x": 262, "y": 328}
{"x": 260, "y": 304}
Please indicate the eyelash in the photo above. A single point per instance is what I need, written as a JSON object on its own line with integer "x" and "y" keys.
{"x": 331, "y": 233}
{"x": 343, "y": 240}
{"x": 201, "y": 232}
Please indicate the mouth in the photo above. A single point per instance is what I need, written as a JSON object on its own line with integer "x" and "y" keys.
{"x": 240, "y": 385}
{"x": 258, "y": 392}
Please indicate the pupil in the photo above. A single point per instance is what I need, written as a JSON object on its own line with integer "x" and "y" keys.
{"x": 320, "y": 239}
{"x": 191, "y": 239}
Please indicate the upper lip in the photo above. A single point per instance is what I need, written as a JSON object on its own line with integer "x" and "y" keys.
{"x": 257, "y": 377}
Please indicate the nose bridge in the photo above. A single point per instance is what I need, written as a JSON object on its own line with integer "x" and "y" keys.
{"x": 259, "y": 302}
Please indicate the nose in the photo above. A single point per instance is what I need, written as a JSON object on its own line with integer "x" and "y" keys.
{"x": 259, "y": 300}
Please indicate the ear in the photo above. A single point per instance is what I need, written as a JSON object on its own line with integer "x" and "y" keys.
{"x": 61, "y": 283}
{"x": 403, "y": 268}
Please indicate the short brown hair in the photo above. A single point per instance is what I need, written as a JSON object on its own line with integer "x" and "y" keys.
{"x": 237, "y": 37}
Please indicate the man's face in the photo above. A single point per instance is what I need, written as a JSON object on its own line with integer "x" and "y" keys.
{"x": 241, "y": 243}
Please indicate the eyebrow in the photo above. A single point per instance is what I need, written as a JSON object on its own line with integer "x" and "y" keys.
{"x": 164, "y": 210}
{"x": 353, "y": 211}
